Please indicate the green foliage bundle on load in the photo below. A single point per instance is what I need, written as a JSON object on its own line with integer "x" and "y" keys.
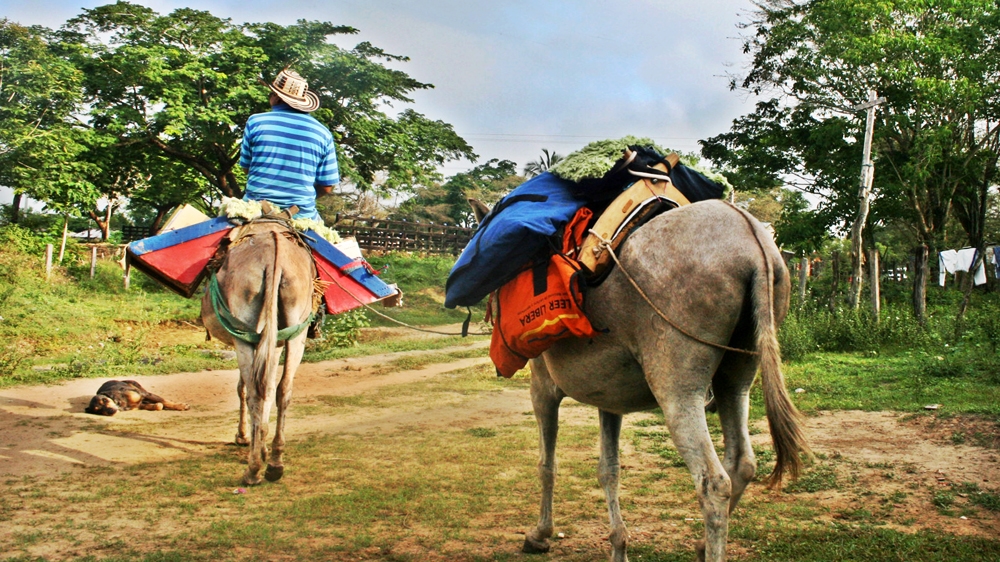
{"x": 599, "y": 157}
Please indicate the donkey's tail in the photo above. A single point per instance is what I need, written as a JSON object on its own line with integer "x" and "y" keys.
{"x": 783, "y": 418}
{"x": 267, "y": 323}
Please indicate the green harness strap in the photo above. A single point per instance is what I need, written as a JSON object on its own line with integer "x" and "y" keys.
{"x": 236, "y": 327}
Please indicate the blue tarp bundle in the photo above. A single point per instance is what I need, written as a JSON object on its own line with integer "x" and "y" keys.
{"x": 516, "y": 231}
{"x": 522, "y": 225}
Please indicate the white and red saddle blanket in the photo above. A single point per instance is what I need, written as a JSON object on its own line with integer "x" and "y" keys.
{"x": 179, "y": 259}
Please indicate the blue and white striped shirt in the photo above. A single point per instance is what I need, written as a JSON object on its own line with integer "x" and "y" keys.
{"x": 288, "y": 153}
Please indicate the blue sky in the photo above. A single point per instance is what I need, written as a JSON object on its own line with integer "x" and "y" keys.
{"x": 516, "y": 76}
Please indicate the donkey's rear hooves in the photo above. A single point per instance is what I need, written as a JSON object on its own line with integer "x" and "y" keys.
{"x": 531, "y": 546}
{"x": 274, "y": 473}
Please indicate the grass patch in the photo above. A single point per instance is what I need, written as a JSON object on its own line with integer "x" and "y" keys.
{"x": 816, "y": 478}
{"x": 856, "y": 381}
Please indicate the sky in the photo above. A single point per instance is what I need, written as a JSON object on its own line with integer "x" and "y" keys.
{"x": 516, "y": 76}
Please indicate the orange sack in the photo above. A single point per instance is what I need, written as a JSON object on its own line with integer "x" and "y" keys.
{"x": 540, "y": 306}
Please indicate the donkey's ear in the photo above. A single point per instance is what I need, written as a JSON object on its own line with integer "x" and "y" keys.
{"x": 479, "y": 210}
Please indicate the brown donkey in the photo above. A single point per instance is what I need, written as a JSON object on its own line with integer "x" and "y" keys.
{"x": 263, "y": 300}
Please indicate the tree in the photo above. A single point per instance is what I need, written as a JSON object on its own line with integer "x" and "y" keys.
{"x": 936, "y": 64}
{"x": 448, "y": 202}
{"x": 165, "y": 185}
{"x": 542, "y": 165}
{"x": 185, "y": 84}
{"x": 40, "y": 141}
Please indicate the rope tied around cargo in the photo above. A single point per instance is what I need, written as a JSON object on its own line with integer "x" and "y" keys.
{"x": 464, "y": 332}
{"x": 606, "y": 244}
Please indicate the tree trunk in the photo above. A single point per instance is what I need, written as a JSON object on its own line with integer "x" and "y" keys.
{"x": 874, "y": 287}
{"x": 864, "y": 194}
{"x": 970, "y": 282}
{"x": 15, "y": 209}
{"x": 161, "y": 213}
{"x": 835, "y": 280}
{"x": 62, "y": 246}
{"x": 100, "y": 223}
{"x": 920, "y": 274}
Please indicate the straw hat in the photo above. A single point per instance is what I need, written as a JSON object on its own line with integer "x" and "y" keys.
{"x": 294, "y": 90}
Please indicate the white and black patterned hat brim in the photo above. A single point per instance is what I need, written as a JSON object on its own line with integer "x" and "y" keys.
{"x": 293, "y": 90}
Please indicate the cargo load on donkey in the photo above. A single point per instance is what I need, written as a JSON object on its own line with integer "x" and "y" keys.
{"x": 544, "y": 243}
{"x": 190, "y": 246}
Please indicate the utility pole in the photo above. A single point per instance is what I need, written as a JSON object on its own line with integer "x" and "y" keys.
{"x": 864, "y": 194}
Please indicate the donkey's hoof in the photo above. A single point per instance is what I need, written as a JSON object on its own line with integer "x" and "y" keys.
{"x": 241, "y": 440}
{"x": 274, "y": 473}
{"x": 532, "y": 546}
{"x": 251, "y": 478}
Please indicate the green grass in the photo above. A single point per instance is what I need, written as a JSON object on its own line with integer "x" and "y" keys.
{"x": 859, "y": 381}
{"x": 845, "y": 543}
{"x": 72, "y": 326}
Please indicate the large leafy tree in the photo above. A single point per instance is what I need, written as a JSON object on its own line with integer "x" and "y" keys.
{"x": 185, "y": 83}
{"x": 449, "y": 202}
{"x": 40, "y": 139}
{"x": 935, "y": 138}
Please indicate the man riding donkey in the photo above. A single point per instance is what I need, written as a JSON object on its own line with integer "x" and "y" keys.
{"x": 288, "y": 155}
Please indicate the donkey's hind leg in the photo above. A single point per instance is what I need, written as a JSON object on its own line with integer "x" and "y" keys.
{"x": 732, "y": 397}
{"x": 545, "y": 399}
{"x": 607, "y": 474}
{"x": 283, "y": 398}
{"x": 681, "y": 395}
{"x": 258, "y": 410}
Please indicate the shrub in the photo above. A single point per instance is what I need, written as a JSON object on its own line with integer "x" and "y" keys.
{"x": 13, "y": 356}
{"x": 796, "y": 339}
{"x": 341, "y": 330}
{"x": 20, "y": 240}
{"x": 808, "y": 330}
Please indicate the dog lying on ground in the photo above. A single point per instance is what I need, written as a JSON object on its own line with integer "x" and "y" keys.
{"x": 127, "y": 395}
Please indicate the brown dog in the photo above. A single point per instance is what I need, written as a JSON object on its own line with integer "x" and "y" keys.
{"x": 127, "y": 395}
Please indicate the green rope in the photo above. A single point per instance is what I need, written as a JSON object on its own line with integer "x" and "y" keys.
{"x": 236, "y": 327}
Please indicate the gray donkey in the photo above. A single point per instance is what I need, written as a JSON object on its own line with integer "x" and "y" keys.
{"x": 694, "y": 287}
{"x": 263, "y": 300}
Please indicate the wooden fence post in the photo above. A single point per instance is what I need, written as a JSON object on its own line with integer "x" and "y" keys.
{"x": 48, "y": 261}
{"x": 93, "y": 260}
{"x": 803, "y": 279}
{"x": 920, "y": 274}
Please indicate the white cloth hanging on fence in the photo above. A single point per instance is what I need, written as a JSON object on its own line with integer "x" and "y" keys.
{"x": 951, "y": 261}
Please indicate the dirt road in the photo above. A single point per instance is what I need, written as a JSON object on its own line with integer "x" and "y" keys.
{"x": 45, "y": 432}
